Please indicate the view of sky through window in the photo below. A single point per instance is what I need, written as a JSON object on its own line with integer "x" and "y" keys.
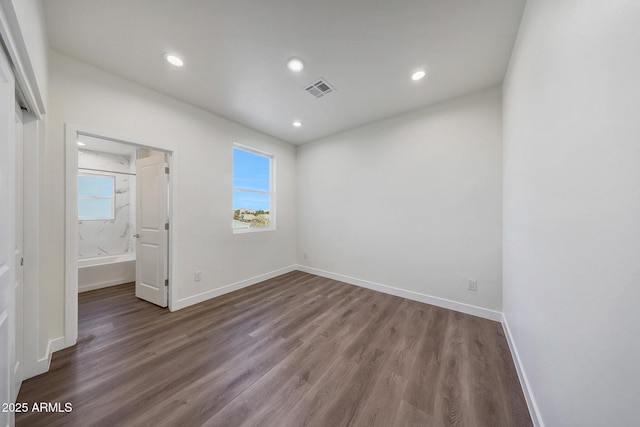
{"x": 250, "y": 172}
{"x": 95, "y": 196}
{"x": 252, "y": 204}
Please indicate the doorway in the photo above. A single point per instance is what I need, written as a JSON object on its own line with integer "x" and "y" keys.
{"x": 117, "y": 220}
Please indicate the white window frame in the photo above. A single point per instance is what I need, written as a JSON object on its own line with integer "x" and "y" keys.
{"x": 112, "y": 198}
{"x": 271, "y": 192}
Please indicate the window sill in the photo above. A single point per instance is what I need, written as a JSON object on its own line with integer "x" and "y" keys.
{"x": 252, "y": 230}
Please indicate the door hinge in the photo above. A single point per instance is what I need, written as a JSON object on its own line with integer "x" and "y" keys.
{"x": 166, "y": 225}
{"x": 166, "y": 170}
{"x": 166, "y": 282}
{"x": 21, "y": 261}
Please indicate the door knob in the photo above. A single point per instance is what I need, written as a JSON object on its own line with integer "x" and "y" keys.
{"x": 137, "y": 236}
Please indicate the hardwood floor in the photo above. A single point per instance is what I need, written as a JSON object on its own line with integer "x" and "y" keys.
{"x": 291, "y": 351}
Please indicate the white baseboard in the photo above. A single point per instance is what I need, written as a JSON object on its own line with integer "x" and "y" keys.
{"x": 100, "y": 285}
{"x": 536, "y": 418}
{"x": 415, "y": 296}
{"x": 56, "y": 344}
{"x": 195, "y": 299}
{"x": 42, "y": 365}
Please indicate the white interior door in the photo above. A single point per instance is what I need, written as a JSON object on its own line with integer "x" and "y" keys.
{"x": 7, "y": 218}
{"x": 151, "y": 233}
{"x": 19, "y": 250}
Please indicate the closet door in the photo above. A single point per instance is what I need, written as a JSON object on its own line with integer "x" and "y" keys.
{"x": 7, "y": 245}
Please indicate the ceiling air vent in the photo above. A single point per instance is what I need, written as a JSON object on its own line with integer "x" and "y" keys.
{"x": 319, "y": 88}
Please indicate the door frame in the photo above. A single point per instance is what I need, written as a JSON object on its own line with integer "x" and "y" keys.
{"x": 35, "y": 355}
{"x": 71, "y": 220}
{"x": 18, "y": 232}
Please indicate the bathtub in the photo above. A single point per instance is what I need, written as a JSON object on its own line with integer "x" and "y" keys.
{"x": 104, "y": 271}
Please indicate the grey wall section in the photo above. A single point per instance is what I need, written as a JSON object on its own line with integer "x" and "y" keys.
{"x": 572, "y": 209}
{"x": 412, "y": 202}
{"x": 202, "y": 144}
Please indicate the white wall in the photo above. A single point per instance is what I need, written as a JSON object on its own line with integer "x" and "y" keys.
{"x": 572, "y": 209}
{"x": 202, "y": 177}
{"x": 412, "y": 202}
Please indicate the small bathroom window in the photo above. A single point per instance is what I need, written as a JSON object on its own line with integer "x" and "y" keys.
{"x": 96, "y": 197}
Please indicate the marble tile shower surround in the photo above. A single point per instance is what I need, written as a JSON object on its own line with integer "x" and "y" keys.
{"x": 109, "y": 237}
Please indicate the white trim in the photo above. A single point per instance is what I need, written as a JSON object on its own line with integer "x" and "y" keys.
{"x": 204, "y": 296}
{"x": 16, "y": 48}
{"x": 55, "y": 344}
{"x": 71, "y": 241}
{"x": 415, "y": 296}
{"x": 534, "y": 411}
{"x": 252, "y": 230}
{"x": 252, "y": 150}
{"x": 42, "y": 364}
{"x": 31, "y": 129}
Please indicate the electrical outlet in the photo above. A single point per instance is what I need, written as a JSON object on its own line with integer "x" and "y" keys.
{"x": 472, "y": 285}
{"x": 197, "y": 276}
{"x": 306, "y": 255}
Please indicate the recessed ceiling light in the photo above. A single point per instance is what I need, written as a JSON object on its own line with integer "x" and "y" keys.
{"x": 297, "y": 124}
{"x": 82, "y": 144}
{"x": 173, "y": 60}
{"x": 418, "y": 75}
{"x": 295, "y": 64}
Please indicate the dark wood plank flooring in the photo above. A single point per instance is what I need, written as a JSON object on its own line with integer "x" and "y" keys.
{"x": 295, "y": 350}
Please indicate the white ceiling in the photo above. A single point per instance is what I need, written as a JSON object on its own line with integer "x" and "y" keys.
{"x": 235, "y": 54}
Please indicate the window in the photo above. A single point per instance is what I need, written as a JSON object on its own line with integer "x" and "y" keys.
{"x": 253, "y": 201}
{"x": 95, "y": 197}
